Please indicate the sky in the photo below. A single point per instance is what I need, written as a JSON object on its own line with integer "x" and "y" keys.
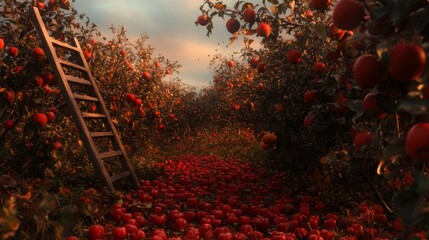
{"x": 171, "y": 30}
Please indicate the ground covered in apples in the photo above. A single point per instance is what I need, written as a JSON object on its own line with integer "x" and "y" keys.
{"x": 207, "y": 197}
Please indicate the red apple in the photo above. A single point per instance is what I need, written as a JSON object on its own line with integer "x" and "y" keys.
{"x": 191, "y": 233}
{"x": 225, "y": 236}
{"x": 9, "y": 124}
{"x": 13, "y": 51}
{"x": 130, "y": 97}
{"x": 341, "y": 103}
{"x": 131, "y": 228}
{"x": 326, "y": 234}
{"x": 158, "y": 220}
{"x": 261, "y": 67}
{"x": 138, "y": 102}
{"x": 269, "y": 138}
{"x": 239, "y": 236}
{"x": 41, "y": 5}
{"x": 203, "y": 20}
{"x": 51, "y": 116}
{"x": 189, "y": 215}
{"x": 47, "y": 88}
{"x": 141, "y": 221}
{"x": 38, "y": 81}
{"x": 319, "y": 67}
{"x": 231, "y": 63}
{"x": 159, "y": 234}
{"x": 204, "y": 228}
{"x": 294, "y": 56}
{"x": 51, "y": 3}
{"x": 180, "y": 224}
{"x": 146, "y": 75}
{"x": 249, "y": 15}
{"x": 48, "y": 77}
{"x": 280, "y": 108}
{"x": 308, "y": 121}
{"x": 370, "y": 103}
{"x": 119, "y": 233}
{"x": 87, "y": 54}
{"x": 37, "y": 53}
{"x": 96, "y": 232}
{"x": 416, "y": 142}
{"x": 348, "y": 14}
{"x": 1, "y": 43}
{"x": 263, "y": 30}
{"x": 9, "y": 96}
{"x": 301, "y": 232}
{"x": 254, "y": 235}
{"x": 254, "y": 62}
{"x": 406, "y": 62}
{"x": 368, "y": 71}
{"x": 320, "y": 4}
{"x": 330, "y": 223}
{"x": 139, "y": 235}
{"x": 40, "y": 119}
{"x": 362, "y": 139}
{"x": 310, "y": 96}
{"x": 233, "y": 25}
{"x": 246, "y": 229}
{"x": 333, "y": 55}
{"x": 160, "y": 126}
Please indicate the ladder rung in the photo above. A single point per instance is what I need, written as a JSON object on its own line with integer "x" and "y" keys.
{"x": 93, "y": 115}
{"x": 70, "y": 64}
{"x": 101, "y": 134}
{"x": 79, "y": 72}
{"x": 85, "y": 97}
{"x": 64, "y": 45}
{"x": 120, "y": 175}
{"x": 71, "y": 78}
{"x": 110, "y": 154}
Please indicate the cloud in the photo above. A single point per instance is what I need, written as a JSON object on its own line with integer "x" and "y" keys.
{"x": 171, "y": 30}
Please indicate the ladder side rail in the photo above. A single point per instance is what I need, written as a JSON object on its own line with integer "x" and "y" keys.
{"x": 108, "y": 118}
{"x": 71, "y": 102}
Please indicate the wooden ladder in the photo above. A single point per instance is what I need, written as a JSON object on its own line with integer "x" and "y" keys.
{"x": 80, "y": 90}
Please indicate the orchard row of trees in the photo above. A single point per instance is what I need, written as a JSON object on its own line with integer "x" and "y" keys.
{"x": 147, "y": 102}
{"x": 337, "y": 86}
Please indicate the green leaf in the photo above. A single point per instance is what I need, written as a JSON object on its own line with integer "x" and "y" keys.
{"x": 394, "y": 149}
{"x": 387, "y": 106}
{"x": 320, "y": 32}
{"x": 282, "y": 8}
{"x": 421, "y": 184}
{"x": 275, "y": 2}
{"x": 354, "y": 105}
{"x": 66, "y": 220}
{"x": 400, "y": 9}
{"x": 414, "y": 106}
{"x": 409, "y": 203}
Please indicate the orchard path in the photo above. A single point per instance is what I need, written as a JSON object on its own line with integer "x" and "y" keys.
{"x": 217, "y": 198}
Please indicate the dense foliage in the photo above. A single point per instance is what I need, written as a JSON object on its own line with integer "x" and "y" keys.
{"x": 338, "y": 88}
{"x": 332, "y": 102}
